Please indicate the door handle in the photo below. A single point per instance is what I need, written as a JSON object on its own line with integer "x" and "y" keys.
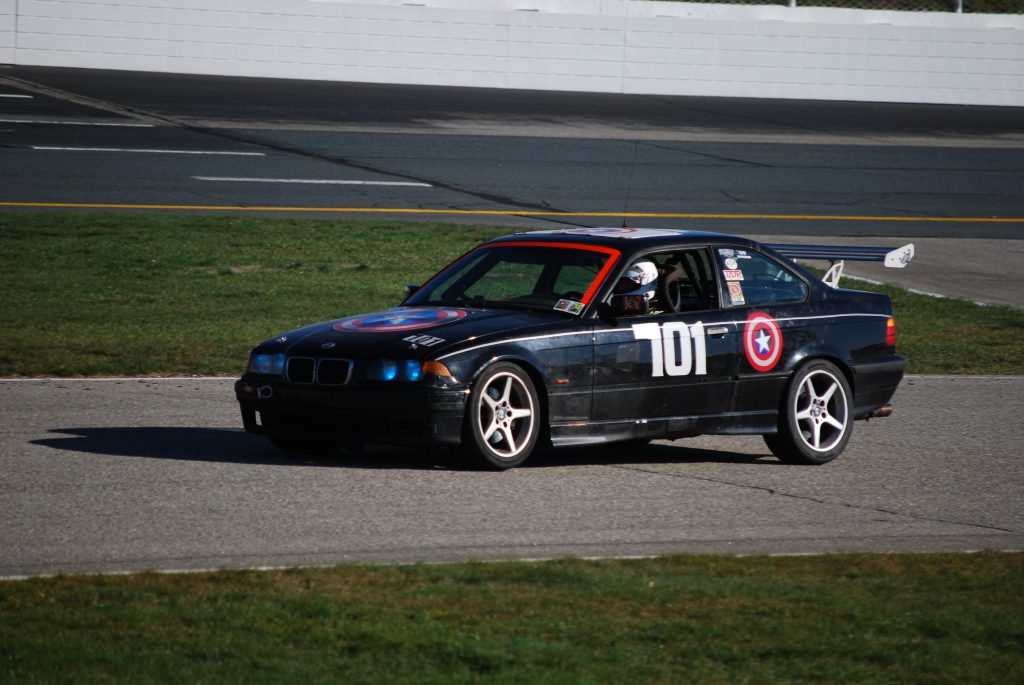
{"x": 717, "y": 331}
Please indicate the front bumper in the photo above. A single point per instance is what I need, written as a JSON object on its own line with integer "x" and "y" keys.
{"x": 397, "y": 415}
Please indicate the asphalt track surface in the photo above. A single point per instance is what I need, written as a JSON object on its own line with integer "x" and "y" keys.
{"x": 114, "y": 475}
{"x": 99, "y": 138}
{"x": 951, "y": 179}
{"x": 133, "y": 474}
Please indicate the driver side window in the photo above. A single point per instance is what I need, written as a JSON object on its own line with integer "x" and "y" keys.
{"x": 685, "y": 282}
{"x": 688, "y": 282}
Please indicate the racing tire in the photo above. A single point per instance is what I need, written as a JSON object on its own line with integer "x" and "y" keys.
{"x": 503, "y": 418}
{"x": 816, "y": 418}
{"x": 303, "y": 446}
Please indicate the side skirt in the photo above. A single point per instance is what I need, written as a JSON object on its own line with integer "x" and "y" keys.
{"x": 666, "y": 428}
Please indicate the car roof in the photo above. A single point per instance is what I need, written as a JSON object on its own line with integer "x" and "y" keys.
{"x": 627, "y": 239}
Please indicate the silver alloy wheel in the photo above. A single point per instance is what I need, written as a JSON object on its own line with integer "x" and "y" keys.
{"x": 820, "y": 410}
{"x": 506, "y": 414}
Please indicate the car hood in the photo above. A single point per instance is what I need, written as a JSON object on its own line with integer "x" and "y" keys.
{"x": 416, "y": 332}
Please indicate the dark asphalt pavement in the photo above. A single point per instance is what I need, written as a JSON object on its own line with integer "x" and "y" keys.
{"x": 330, "y": 149}
{"x": 133, "y": 474}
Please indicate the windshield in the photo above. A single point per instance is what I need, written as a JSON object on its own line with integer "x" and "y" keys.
{"x": 536, "y": 276}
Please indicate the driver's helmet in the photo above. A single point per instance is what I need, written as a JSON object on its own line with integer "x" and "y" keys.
{"x": 640, "y": 279}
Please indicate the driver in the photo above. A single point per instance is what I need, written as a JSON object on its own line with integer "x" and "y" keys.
{"x": 641, "y": 278}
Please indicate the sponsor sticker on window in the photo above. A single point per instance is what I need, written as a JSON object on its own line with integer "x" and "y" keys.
{"x": 569, "y": 306}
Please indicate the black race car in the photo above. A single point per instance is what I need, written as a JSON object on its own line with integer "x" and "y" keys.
{"x": 586, "y": 336}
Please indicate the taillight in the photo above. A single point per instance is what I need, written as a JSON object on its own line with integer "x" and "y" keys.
{"x": 890, "y": 331}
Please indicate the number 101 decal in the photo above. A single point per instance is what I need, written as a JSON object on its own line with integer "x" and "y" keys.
{"x": 672, "y": 358}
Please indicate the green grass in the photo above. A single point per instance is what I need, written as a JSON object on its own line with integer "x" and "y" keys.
{"x": 122, "y": 294}
{"x": 945, "y": 335}
{"x": 88, "y": 294}
{"x": 934, "y": 618}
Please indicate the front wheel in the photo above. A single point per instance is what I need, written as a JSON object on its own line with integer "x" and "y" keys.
{"x": 502, "y": 419}
{"x": 815, "y": 421}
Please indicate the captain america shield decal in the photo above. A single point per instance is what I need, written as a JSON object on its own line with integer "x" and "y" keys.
{"x": 762, "y": 341}
{"x": 399, "y": 320}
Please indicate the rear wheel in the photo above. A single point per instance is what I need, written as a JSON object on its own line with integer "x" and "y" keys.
{"x": 502, "y": 419}
{"x": 815, "y": 422}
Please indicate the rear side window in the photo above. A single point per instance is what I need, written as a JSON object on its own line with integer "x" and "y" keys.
{"x": 750, "y": 278}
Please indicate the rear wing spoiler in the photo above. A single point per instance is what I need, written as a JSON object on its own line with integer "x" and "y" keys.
{"x": 836, "y": 255}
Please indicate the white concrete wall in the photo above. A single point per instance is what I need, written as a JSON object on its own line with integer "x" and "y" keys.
{"x": 7, "y": 31}
{"x": 587, "y": 45}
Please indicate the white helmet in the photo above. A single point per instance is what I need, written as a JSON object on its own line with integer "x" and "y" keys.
{"x": 640, "y": 279}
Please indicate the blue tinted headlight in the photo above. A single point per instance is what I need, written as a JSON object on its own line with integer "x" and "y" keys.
{"x": 267, "y": 364}
{"x": 382, "y": 370}
{"x": 411, "y": 370}
{"x": 408, "y": 370}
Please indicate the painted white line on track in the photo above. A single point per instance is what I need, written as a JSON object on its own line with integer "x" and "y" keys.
{"x": 164, "y": 152}
{"x": 53, "y": 122}
{"x": 314, "y": 181}
{"x": 12, "y": 95}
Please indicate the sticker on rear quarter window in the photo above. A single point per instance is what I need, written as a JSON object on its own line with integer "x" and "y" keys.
{"x": 736, "y": 293}
{"x": 733, "y": 274}
{"x": 570, "y": 306}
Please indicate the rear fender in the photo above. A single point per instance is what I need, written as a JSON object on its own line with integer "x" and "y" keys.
{"x": 829, "y": 353}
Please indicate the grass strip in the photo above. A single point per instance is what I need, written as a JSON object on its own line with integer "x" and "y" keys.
{"x": 98, "y": 294}
{"x": 924, "y": 618}
{"x": 134, "y": 294}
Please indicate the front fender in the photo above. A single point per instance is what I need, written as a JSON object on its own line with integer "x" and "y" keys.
{"x": 561, "y": 369}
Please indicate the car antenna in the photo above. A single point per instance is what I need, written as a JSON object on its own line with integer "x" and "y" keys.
{"x": 629, "y": 186}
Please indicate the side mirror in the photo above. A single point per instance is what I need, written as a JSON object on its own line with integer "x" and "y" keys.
{"x": 410, "y": 289}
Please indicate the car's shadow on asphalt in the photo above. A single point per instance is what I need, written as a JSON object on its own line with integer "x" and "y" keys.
{"x": 654, "y": 453}
{"x": 234, "y": 446}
